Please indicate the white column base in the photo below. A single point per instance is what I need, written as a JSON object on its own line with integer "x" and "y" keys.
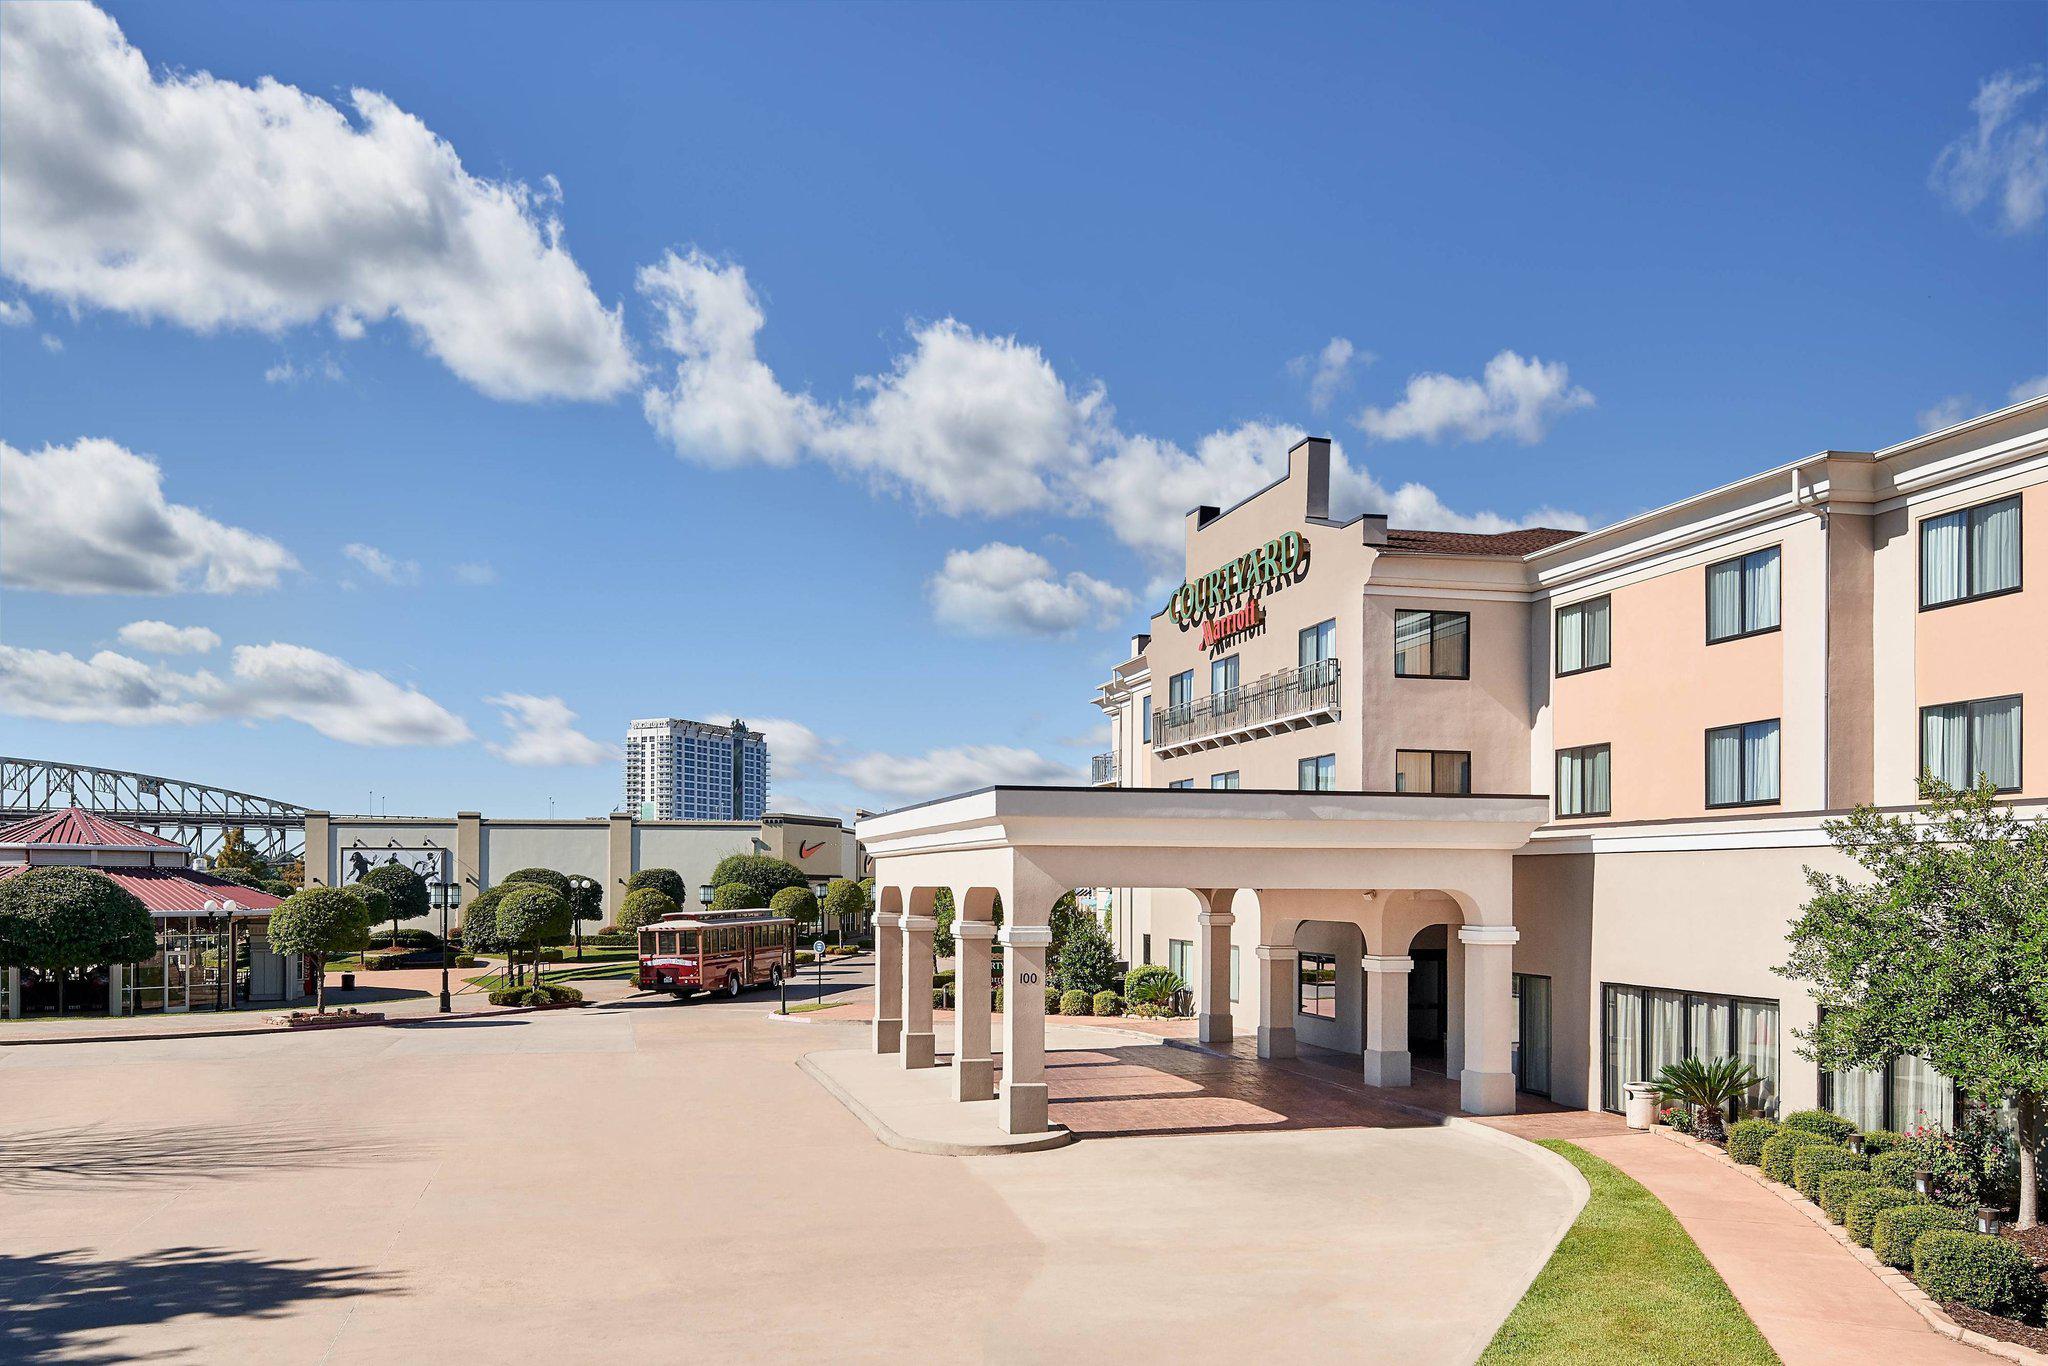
{"x": 1276, "y": 1041}
{"x": 888, "y": 1035}
{"x": 1486, "y": 1093}
{"x": 919, "y": 1050}
{"x": 14, "y": 993}
{"x": 1216, "y": 1029}
{"x": 1388, "y": 1067}
{"x": 1024, "y": 1107}
{"x": 974, "y": 1079}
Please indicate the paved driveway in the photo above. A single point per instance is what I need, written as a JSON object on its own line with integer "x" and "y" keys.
{"x": 659, "y": 1181}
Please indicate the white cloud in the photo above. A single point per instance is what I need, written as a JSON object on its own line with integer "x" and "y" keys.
{"x": 380, "y": 565}
{"x": 1947, "y": 413}
{"x": 287, "y": 372}
{"x": 52, "y": 343}
{"x": 91, "y": 517}
{"x": 957, "y": 768}
{"x": 476, "y": 573}
{"x": 2029, "y": 388}
{"x": 544, "y": 733}
{"x": 1328, "y": 372}
{"x": 265, "y": 682}
{"x": 2003, "y": 159}
{"x": 211, "y": 204}
{"x": 162, "y": 638}
{"x": 1003, "y": 589}
{"x": 1515, "y": 397}
{"x": 16, "y": 313}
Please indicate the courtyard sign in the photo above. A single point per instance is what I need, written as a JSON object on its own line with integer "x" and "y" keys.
{"x": 1249, "y": 574}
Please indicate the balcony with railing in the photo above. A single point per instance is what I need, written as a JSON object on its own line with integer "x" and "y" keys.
{"x": 1102, "y": 770}
{"x": 1291, "y": 699}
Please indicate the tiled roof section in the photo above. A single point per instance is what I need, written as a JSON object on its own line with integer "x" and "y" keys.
{"x": 1527, "y": 541}
{"x": 73, "y": 826}
{"x": 173, "y": 891}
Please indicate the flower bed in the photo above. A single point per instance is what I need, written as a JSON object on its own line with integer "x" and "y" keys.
{"x": 333, "y": 1019}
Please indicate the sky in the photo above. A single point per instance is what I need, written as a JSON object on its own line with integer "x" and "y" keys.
{"x": 397, "y": 400}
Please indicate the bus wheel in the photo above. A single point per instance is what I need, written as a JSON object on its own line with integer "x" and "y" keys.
{"x": 732, "y": 986}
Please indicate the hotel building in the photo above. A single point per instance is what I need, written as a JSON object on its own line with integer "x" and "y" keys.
{"x": 679, "y": 770}
{"x": 1535, "y": 808}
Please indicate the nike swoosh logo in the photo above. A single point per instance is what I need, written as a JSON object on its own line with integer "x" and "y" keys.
{"x": 806, "y": 850}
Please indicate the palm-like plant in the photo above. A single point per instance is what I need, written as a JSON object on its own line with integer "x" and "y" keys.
{"x": 1709, "y": 1088}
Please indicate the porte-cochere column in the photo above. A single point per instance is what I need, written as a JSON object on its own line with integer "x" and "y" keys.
{"x": 918, "y": 1047}
{"x": 1212, "y": 987}
{"x": 1387, "y": 1061}
{"x": 1277, "y": 973}
{"x": 974, "y": 1066}
{"x": 888, "y": 1032}
{"x": 1486, "y": 1086}
{"x": 1024, "y": 1098}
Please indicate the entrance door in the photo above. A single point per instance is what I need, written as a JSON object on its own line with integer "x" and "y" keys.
{"x": 1531, "y": 1048}
{"x": 266, "y": 972}
{"x": 1426, "y": 1003}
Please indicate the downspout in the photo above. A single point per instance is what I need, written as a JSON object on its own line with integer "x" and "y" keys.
{"x": 1803, "y": 496}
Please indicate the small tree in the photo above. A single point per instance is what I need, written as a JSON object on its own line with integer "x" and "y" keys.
{"x": 405, "y": 890}
{"x": 667, "y": 881}
{"x": 479, "y": 928}
{"x": 1943, "y": 954}
{"x": 765, "y": 875}
{"x": 944, "y": 913}
{"x": 319, "y": 923}
{"x": 1086, "y": 962}
{"x": 238, "y": 860}
{"x": 736, "y": 896}
{"x": 62, "y": 918}
{"x": 644, "y": 906}
{"x": 846, "y": 900}
{"x": 377, "y": 905}
{"x": 530, "y": 915}
{"x": 798, "y": 903}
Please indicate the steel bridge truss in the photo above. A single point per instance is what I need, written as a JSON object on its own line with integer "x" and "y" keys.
{"x": 193, "y": 814}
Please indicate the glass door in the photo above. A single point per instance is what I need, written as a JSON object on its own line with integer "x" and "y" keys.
{"x": 1531, "y": 1047}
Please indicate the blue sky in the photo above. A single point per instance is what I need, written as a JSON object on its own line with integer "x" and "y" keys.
{"x": 847, "y": 368}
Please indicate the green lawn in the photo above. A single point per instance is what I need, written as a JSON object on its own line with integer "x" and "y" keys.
{"x": 1626, "y": 1284}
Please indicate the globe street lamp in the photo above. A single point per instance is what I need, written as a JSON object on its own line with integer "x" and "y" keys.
{"x": 443, "y": 894}
{"x": 579, "y": 886}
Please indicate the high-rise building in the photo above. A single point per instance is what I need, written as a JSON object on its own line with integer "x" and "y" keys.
{"x": 695, "y": 771}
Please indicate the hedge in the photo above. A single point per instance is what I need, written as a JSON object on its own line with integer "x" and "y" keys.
{"x": 1108, "y": 1003}
{"x": 1810, "y": 1164}
{"x": 1877, "y": 1141}
{"x": 1052, "y": 1000}
{"x": 1778, "y": 1151}
{"x": 1829, "y": 1126}
{"x": 1835, "y": 1188}
{"x": 549, "y": 994}
{"x": 1076, "y": 1003}
{"x": 1746, "y": 1139}
{"x": 1868, "y": 1203}
{"x": 1979, "y": 1270}
{"x": 1896, "y": 1230}
{"x": 1895, "y": 1169}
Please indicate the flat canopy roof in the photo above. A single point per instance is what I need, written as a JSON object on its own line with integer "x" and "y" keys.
{"x": 714, "y": 922}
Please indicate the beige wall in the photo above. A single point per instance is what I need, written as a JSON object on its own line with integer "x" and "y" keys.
{"x": 1487, "y": 714}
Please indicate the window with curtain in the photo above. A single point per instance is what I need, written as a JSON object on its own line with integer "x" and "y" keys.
{"x": 1582, "y": 636}
{"x": 1318, "y": 642}
{"x": 1318, "y": 774}
{"x": 1433, "y": 770}
{"x": 1180, "y": 689}
{"x": 1145, "y": 710}
{"x": 1622, "y": 1043}
{"x": 1223, "y": 781}
{"x": 1902, "y": 1094}
{"x": 1962, "y": 740}
{"x": 1223, "y": 682}
{"x": 1180, "y": 958}
{"x": 1742, "y": 764}
{"x": 1584, "y": 784}
{"x": 1645, "y": 1028}
{"x": 1316, "y": 990}
{"x": 1432, "y": 645}
{"x": 1742, "y": 596}
{"x": 1181, "y": 784}
{"x": 1972, "y": 553}
{"x": 1530, "y": 1051}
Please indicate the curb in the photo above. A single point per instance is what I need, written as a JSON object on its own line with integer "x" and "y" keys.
{"x": 1899, "y": 1283}
{"x": 389, "y": 1022}
{"x": 1057, "y": 1137}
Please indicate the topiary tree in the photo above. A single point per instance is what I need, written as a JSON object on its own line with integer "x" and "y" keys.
{"x": 765, "y": 875}
{"x": 405, "y": 890}
{"x": 479, "y": 928}
{"x": 736, "y": 896}
{"x": 319, "y": 923}
{"x": 61, "y": 918}
{"x": 847, "y": 900}
{"x": 644, "y": 906}
{"x": 667, "y": 881}
{"x": 1939, "y": 955}
{"x": 798, "y": 903}
{"x": 1086, "y": 963}
{"x": 377, "y": 903}
{"x": 531, "y": 914}
{"x": 1076, "y": 1003}
{"x": 558, "y": 883}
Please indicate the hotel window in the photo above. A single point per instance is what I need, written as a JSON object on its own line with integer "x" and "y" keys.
{"x": 1181, "y": 784}
{"x": 1432, "y": 645}
{"x": 1963, "y": 740}
{"x": 1974, "y": 553}
{"x": 1233, "y": 972}
{"x": 1642, "y": 1029}
{"x": 1439, "y": 771}
{"x": 1583, "y": 641}
{"x": 1145, "y": 710}
{"x": 1316, "y": 985}
{"x": 1180, "y": 690}
{"x": 1742, "y": 596}
{"x": 1318, "y": 642}
{"x": 1742, "y": 764}
{"x": 1223, "y": 682}
{"x": 1224, "y": 782}
{"x": 1585, "y": 782}
{"x": 1180, "y": 959}
{"x": 1903, "y": 1094}
{"x": 1318, "y": 774}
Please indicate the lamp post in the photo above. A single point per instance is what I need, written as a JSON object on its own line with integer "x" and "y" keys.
{"x": 444, "y": 898}
{"x": 705, "y": 891}
{"x": 578, "y": 884}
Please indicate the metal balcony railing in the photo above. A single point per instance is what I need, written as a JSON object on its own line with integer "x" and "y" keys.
{"x": 1102, "y": 770}
{"x": 1287, "y": 700}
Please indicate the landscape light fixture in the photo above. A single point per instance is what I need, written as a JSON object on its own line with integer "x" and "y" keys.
{"x": 1987, "y": 1219}
{"x": 1923, "y": 1184}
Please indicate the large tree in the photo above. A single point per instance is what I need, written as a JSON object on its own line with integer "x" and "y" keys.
{"x": 320, "y": 923}
{"x": 1942, "y": 953}
{"x": 62, "y": 918}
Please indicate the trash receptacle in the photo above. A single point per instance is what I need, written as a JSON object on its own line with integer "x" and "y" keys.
{"x": 348, "y": 983}
{"x": 1639, "y": 1104}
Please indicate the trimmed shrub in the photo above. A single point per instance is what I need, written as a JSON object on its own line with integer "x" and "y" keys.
{"x": 1865, "y": 1205}
{"x": 1076, "y": 1003}
{"x": 1979, "y": 1270}
{"x": 1746, "y": 1139}
{"x": 1151, "y": 984}
{"x": 551, "y": 994}
{"x": 944, "y": 978}
{"x": 1829, "y": 1126}
{"x": 1811, "y": 1163}
{"x": 1833, "y": 1190}
{"x": 1052, "y": 1000}
{"x": 1779, "y": 1148}
{"x": 645, "y": 905}
{"x": 1881, "y": 1141}
{"x": 1086, "y": 962}
{"x": 407, "y": 939}
{"x": 1108, "y": 1003}
{"x": 997, "y": 1004}
{"x": 667, "y": 881}
{"x": 798, "y": 903}
{"x": 1895, "y": 1169}
{"x": 737, "y": 896}
{"x": 942, "y": 998}
{"x": 558, "y": 883}
{"x": 1147, "y": 1010}
{"x": 765, "y": 875}
{"x": 1896, "y": 1230}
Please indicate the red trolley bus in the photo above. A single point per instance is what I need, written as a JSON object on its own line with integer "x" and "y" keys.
{"x": 716, "y": 951}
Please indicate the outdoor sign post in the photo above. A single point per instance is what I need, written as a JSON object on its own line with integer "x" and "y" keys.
{"x": 818, "y": 957}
